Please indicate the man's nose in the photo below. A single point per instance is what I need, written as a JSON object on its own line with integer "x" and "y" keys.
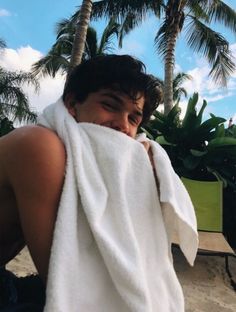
{"x": 121, "y": 124}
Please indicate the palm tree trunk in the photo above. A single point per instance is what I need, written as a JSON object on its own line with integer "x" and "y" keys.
{"x": 174, "y": 16}
{"x": 80, "y": 33}
{"x": 169, "y": 75}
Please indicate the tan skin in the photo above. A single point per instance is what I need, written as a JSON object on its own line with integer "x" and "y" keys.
{"x": 32, "y": 166}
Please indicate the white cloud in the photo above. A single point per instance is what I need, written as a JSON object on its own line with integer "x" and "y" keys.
{"x": 4, "y": 12}
{"x": 232, "y": 84}
{"x": 217, "y": 97}
{"x": 198, "y": 81}
{"x": 22, "y": 59}
{"x": 50, "y": 91}
{"x": 203, "y": 84}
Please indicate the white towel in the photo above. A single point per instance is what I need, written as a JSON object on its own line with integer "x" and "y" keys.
{"x": 111, "y": 245}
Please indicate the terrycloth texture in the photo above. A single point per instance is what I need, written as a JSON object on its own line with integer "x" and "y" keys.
{"x": 110, "y": 249}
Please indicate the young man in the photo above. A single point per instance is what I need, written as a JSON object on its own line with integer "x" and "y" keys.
{"x": 111, "y": 91}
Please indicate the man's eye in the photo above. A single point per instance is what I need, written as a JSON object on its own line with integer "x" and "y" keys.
{"x": 134, "y": 120}
{"x": 108, "y": 106}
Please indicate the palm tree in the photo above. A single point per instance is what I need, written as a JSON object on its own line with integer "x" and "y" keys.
{"x": 80, "y": 33}
{"x": 58, "y": 58}
{"x": 195, "y": 16}
{"x": 14, "y": 105}
{"x": 178, "y": 90}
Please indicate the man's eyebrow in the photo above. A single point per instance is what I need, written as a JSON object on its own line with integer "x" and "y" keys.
{"x": 138, "y": 112}
{"x": 114, "y": 97}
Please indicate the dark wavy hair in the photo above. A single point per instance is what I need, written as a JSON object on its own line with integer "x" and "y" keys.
{"x": 117, "y": 72}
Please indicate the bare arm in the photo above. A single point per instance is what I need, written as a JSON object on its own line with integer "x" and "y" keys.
{"x": 35, "y": 165}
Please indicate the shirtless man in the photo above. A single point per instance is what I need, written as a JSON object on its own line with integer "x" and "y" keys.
{"x": 112, "y": 91}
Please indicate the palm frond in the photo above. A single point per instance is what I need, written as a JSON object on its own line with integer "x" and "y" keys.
{"x": 21, "y": 78}
{"x": 50, "y": 65}
{"x": 91, "y": 44}
{"x": 111, "y": 30}
{"x": 16, "y": 79}
{"x": 65, "y": 27}
{"x": 214, "y": 47}
{"x": 161, "y": 39}
{"x": 57, "y": 58}
{"x": 120, "y": 8}
{"x": 17, "y": 113}
{"x": 2, "y": 43}
{"x": 221, "y": 12}
{"x": 129, "y": 22}
{"x": 179, "y": 91}
{"x": 12, "y": 94}
{"x": 169, "y": 30}
{"x": 63, "y": 45}
{"x": 198, "y": 8}
{"x": 14, "y": 104}
{"x": 180, "y": 78}
{"x": 223, "y": 67}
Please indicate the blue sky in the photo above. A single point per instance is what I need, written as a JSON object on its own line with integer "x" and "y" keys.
{"x": 28, "y": 29}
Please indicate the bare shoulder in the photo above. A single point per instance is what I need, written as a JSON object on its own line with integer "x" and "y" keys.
{"x": 30, "y": 137}
{"x": 30, "y": 148}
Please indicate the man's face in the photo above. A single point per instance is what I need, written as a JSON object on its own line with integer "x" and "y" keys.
{"x": 111, "y": 109}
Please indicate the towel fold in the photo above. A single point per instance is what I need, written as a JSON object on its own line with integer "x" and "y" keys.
{"x": 111, "y": 245}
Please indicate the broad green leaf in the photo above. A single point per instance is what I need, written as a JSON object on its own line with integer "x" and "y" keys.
{"x": 198, "y": 153}
{"x": 220, "y": 131}
{"x": 210, "y": 124}
{"x": 199, "y": 116}
{"x": 161, "y": 140}
{"x": 218, "y": 176}
{"x": 173, "y": 114}
{"x": 222, "y": 141}
{"x": 191, "y": 114}
{"x": 147, "y": 133}
{"x": 191, "y": 162}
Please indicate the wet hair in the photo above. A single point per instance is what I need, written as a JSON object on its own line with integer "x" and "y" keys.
{"x": 121, "y": 73}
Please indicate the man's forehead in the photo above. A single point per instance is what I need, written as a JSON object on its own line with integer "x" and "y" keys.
{"x": 120, "y": 95}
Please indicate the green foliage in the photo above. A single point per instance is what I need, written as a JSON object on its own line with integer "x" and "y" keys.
{"x": 178, "y": 90}
{"x": 231, "y": 131}
{"x": 198, "y": 149}
{"x": 14, "y": 105}
{"x": 2, "y": 44}
{"x": 6, "y": 126}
